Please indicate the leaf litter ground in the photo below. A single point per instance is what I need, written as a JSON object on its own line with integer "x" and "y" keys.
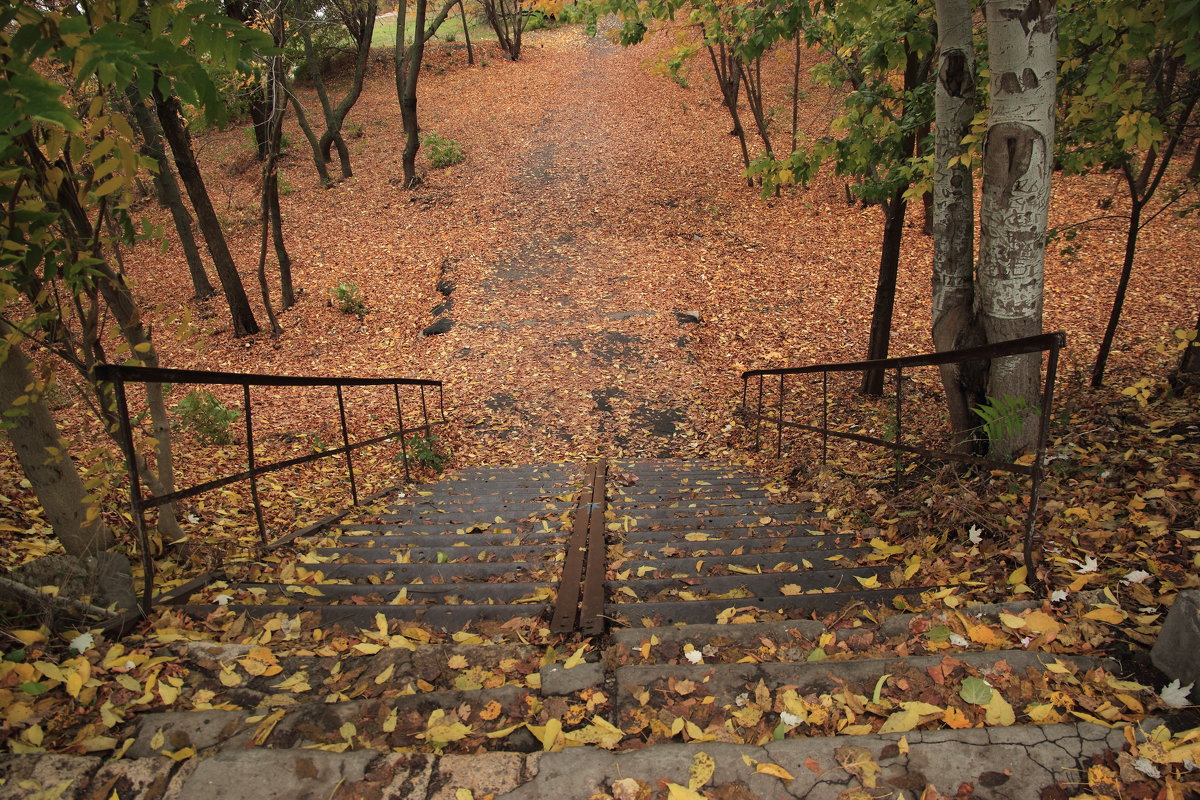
{"x": 597, "y": 199}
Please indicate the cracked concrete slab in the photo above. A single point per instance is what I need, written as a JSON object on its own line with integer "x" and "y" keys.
{"x": 22, "y": 776}
{"x": 272, "y": 774}
{"x": 999, "y": 763}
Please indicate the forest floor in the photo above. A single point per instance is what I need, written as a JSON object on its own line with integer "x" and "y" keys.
{"x": 600, "y": 200}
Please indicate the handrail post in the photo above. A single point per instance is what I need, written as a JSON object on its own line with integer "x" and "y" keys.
{"x": 824, "y": 416}
{"x": 442, "y": 401}
{"x": 258, "y": 515}
{"x": 899, "y": 423}
{"x": 758, "y": 427}
{"x": 400, "y": 425}
{"x": 779, "y": 423}
{"x": 346, "y": 445}
{"x": 135, "y": 492}
{"x": 424, "y": 412}
{"x": 1040, "y": 458}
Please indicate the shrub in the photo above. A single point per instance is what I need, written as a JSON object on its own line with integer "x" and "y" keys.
{"x": 207, "y": 417}
{"x": 348, "y": 299}
{"x": 442, "y": 152}
{"x": 424, "y": 451}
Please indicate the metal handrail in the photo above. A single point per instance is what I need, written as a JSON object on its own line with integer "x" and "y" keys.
{"x": 1050, "y": 343}
{"x": 118, "y": 376}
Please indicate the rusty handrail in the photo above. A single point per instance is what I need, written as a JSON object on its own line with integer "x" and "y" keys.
{"x": 119, "y": 375}
{"x": 1050, "y": 343}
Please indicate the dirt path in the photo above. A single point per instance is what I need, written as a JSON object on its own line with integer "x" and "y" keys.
{"x": 597, "y": 199}
{"x": 613, "y": 369}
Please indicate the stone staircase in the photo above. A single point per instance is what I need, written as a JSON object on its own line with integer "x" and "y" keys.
{"x": 407, "y": 654}
{"x": 685, "y": 542}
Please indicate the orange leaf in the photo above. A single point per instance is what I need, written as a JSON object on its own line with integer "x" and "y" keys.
{"x": 982, "y": 634}
{"x": 955, "y": 718}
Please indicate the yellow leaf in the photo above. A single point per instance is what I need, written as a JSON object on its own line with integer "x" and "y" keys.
{"x": 998, "y": 711}
{"x": 677, "y": 792}
{"x": 463, "y": 794}
{"x": 911, "y": 566}
{"x": 900, "y": 722}
{"x": 1109, "y": 614}
{"x": 1011, "y": 621}
{"x": 389, "y": 723}
{"x": 1018, "y": 576}
{"x": 263, "y": 731}
{"x": 181, "y": 755}
{"x": 576, "y": 658}
{"x": 368, "y": 648}
{"x": 386, "y": 675}
{"x": 1041, "y": 622}
{"x": 774, "y": 770}
{"x": 551, "y": 735}
{"x": 701, "y": 770}
{"x": 871, "y": 582}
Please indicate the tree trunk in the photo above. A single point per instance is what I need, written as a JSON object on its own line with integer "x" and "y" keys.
{"x": 894, "y": 210}
{"x": 466, "y": 34}
{"x": 408, "y": 70}
{"x": 796, "y": 92}
{"x": 1018, "y": 163}
{"x": 302, "y": 120}
{"x": 171, "y": 198}
{"x": 1189, "y": 362}
{"x": 272, "y": 218}
{"x": 752, "y": 81}
{"x": 258, "y": 119}
{"x": 177, "y": 137}
{"x": 885, "y": 289}
{"x": 728, "y": 68}
{"x": 361, "y": 31}
{"x": 1114, "y": 316}
{"x": 955, "y": 322}
{"x": 44, "y": 459}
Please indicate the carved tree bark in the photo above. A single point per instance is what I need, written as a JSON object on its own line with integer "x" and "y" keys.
{"x": 1018, "y": 164}
{"x": 955, "y": 322}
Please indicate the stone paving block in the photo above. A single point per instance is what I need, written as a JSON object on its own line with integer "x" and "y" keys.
{"x": 263, "y": 774}
{"x": 197, "y": 729}
{"x": 392, "y": 776}
{"x": 132, "y": 779}
{"x": 1177, "y": 650}
{"x": 556, "y": 679}
{"x": 482, "y": 774}
{"x": 21, "y": 776}
{"x": 1000, "y": 764}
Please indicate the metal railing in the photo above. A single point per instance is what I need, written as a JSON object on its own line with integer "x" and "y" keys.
{"x": 119, "y": 376}
{"x": 1050, "y": 343}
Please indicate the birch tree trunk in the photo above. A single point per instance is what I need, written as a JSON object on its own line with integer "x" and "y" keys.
{"x": 955, "y": 321}
{"x": 1018, "y": 162}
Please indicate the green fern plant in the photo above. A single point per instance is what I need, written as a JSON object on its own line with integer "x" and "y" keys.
{"x": 424, "y": 451}
{"x": 442, "y": 152}
{"x": 1003, "y": 417}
